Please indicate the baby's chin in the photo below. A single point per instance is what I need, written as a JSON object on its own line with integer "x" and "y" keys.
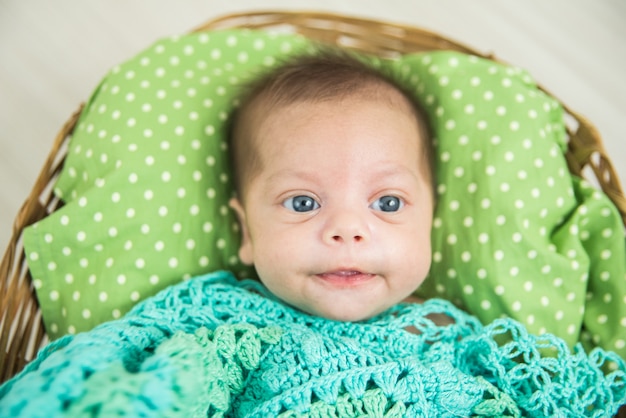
{"x": 347, "y": 315}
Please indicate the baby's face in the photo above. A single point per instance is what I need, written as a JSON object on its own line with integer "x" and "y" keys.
{"x": 337, "y": 222}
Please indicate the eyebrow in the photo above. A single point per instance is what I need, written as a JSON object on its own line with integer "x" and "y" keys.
{"x": 291, "y": 173}
{"x": 395, "y": 170}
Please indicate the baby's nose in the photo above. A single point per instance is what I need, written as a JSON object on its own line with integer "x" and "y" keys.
{"x": 345, "y": 228}
{"x": 343, "y": 238}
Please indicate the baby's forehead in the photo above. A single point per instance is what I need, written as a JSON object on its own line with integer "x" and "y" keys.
{"x": 380, "y": 93}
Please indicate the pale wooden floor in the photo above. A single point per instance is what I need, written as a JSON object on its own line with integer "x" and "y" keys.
{"x": 52, "y": 53}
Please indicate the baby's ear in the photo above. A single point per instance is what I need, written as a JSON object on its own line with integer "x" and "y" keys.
{"x": 245, "y": 249}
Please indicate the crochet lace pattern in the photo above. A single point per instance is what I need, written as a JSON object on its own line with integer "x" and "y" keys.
{"x": 214, "y": 346}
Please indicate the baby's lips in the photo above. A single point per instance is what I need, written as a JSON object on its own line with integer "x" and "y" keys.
{"x": 345, "y": 272}
{"x": 346, "y": 276}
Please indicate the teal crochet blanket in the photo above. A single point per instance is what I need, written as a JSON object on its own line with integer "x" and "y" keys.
{"x": 214, "y": 346}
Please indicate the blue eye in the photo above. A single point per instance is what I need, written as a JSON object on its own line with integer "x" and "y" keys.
{"x": 388, "y": 204}
{"x": 301, "y": 203}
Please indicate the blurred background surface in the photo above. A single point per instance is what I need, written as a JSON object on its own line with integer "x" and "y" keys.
{"x": 53, "y": 53}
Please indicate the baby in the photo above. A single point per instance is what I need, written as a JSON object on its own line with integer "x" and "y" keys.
{"x": 334, "y": 187}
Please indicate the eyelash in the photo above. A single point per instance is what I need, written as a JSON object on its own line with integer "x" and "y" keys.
{"x": 304, "y": 203}
{"x": 397, "y": 203}
{"x": 301, "y": 201}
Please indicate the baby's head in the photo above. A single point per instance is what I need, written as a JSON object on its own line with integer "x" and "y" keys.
{"x": 334, "y": 186}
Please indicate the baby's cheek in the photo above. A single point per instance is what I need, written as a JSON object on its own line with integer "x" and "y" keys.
{"x": 416, "y": 259}
{"x": 274, "y": 261}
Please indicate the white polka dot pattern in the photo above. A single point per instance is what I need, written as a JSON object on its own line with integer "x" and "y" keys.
{"x": 514, "y": 233}
{"x": 146, "y": 181}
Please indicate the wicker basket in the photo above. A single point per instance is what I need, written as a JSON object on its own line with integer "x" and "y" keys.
{"x": 22, "y": 332}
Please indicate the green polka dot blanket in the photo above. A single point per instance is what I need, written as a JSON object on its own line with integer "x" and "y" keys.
{"x": 146, "y": 182}
{"x": 214, "y": 346}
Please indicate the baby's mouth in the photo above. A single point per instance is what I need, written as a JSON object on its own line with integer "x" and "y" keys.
{"x": 345, "y": 277}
